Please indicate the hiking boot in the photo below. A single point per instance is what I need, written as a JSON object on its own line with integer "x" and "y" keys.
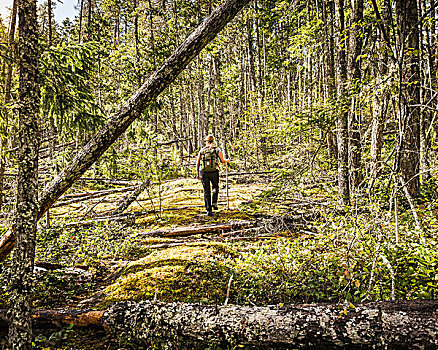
{"x": 209, "y": 213}
{"x": 214, "y": 206}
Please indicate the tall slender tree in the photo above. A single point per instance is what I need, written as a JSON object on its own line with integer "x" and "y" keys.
{"x": 354, "y": 75}
{"x": 7, "y": 95}
{"x": 20, "y": 329}
{"x": 341, "y": 76}
{"x": 409, "y": 111}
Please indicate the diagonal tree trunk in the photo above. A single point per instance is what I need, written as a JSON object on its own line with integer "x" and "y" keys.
{"x": 132, "y": 108}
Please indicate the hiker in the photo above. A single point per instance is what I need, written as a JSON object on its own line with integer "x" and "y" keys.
{"x": 207, "y": 169}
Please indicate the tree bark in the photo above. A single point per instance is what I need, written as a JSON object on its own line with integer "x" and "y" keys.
{"x": 393, "y": 325}
{"x": 354, "y": 69}
{"x": 343, "y": 176}
{"x": 7, "y": 96}
{"x": 126, "y": 201}
{"x": 49, "y": 21}
{"x": 389, "y": 325}
{"x": 409, "y": 112}
{"x": 195, "y": 230}
{"x": 329, "y": 75}
{"x": 81, "y": 15}
{"x": 380, "y": 99}
{"x": 132, "y": 108}
{"x": 21, "y": 281}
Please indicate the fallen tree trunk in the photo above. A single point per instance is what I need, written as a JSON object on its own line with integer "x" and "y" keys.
{"x": 389, "y": 325}
{"x": 126, "y": 201}
{"x": 397, "y": 325}
{"x": 132, "y": 108}
{"x": 125, "y": 216}
{"x": 195, "y": 230}
{"x": 118, "y": 182}
{"x": 79, "y": 197}
{"x": 49, "y": 319}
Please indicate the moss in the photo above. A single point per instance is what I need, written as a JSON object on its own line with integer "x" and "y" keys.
{"x": 191, "y": 273}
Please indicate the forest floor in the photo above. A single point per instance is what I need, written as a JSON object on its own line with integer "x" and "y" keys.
{"x": 272, "y": 246}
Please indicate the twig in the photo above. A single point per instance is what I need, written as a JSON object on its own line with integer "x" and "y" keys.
{"x": 391, "y": 272}
{"x": 228, "y": 290}
{"x": 411, "y": 204}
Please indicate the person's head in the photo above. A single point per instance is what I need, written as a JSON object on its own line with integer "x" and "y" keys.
{"x": 209, "y": 139}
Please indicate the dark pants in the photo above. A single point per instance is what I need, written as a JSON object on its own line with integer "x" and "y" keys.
{"x": 206, "y": 178}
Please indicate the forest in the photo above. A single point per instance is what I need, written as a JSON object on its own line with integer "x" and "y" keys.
{"x": 326, "y": 231}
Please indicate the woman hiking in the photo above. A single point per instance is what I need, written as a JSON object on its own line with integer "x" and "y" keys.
{"x": 207, "y": 171}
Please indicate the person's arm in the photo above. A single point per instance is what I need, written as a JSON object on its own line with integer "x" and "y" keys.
{"x": 221, "y": 157}
{"x": 198, "y": 161}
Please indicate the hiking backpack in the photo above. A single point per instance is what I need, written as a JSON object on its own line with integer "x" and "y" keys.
{"x": 209, "y": 161}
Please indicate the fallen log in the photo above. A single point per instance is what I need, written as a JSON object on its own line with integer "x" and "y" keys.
{"x": 125, "y": 216}
{"x": 101, "y": 192}
{"x": 49, "y": 319}
{"x": 126, "y": 201}
{"x": 119, "y": 182}
{"x": 389, "y": 325}
{"x": 90, "y": 195}
{"x": 393, "y": 325}
{"x": 200, "y": 229}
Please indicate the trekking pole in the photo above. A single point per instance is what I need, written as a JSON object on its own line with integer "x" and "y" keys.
{"x": 228, "y": 198}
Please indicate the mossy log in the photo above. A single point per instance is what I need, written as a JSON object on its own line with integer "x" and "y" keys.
{"x": 384, "y": 325}
{"x": 401, "y": 325}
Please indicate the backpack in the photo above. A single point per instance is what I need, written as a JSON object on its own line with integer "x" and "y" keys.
{"x": 209, "y": 161}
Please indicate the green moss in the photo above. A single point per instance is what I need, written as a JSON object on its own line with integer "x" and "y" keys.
{"x": 191, "y": 273}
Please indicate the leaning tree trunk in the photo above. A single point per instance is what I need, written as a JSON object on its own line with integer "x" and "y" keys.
{"x": 380, "y": 325}
{"x": 21, "y": 277}
{"x": 132, "y": 108}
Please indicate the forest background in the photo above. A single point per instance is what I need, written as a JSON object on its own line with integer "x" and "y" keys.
{"x": 336, "y": 102}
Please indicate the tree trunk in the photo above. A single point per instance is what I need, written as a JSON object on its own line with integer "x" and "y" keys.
{"x": 354, "y": 70}
{"x": 189, "y": 326}
{"x": 343, "y": 176}
{"x": 409, "y": 112}
{"x": 7, "y": 96}
{"x": 220, "y": 105}
{"x": 202, "y": 122}
{"x": 132, "y": 108}
{"x": 380, "y": 99}
{"x": 330, "y": 71}
{"x": 387, "y": 325}
{"x": 21, "y": 276}
{"x": 81, "y": 15}
{"x": 49, "y": 20}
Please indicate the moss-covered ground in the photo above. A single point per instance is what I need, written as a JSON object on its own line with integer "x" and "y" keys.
{"x": 338, "y": 256}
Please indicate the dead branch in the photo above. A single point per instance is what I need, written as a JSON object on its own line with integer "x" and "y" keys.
{"x": 79, "y": 197}
{"x": 194, "y": 230}
{"x": 126, "y": 201}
